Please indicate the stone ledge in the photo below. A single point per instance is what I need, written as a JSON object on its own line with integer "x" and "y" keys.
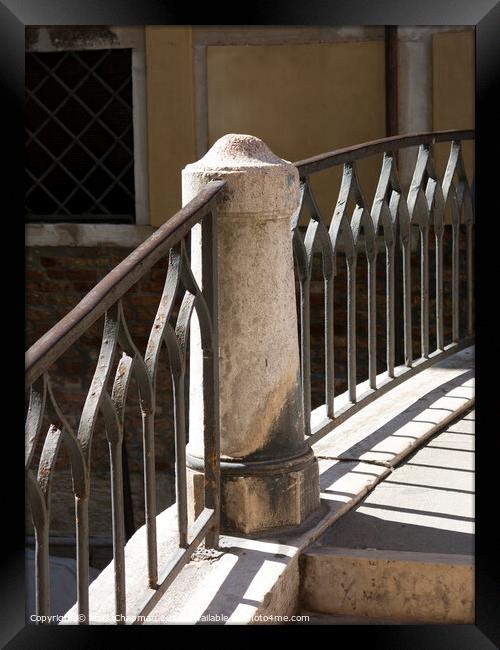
{"x": 86, "y": 234}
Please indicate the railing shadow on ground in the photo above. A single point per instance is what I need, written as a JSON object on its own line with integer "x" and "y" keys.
{"x": 234, "y": 592}
{"x": 410, "y": 414}
{"x": 445, "y": 526}
{"x": 370, "y": 532}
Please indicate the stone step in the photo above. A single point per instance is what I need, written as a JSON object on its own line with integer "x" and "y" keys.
{"x": 399, "y": 586}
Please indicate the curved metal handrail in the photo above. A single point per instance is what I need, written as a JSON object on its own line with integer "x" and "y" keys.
{"x": 354, "y": 230}
{"x": 363, "y": 150}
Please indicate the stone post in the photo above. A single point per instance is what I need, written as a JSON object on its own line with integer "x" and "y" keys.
{"x": 269, "y": 475}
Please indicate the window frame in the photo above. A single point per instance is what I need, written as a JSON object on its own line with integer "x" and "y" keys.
{"x": 61, "y": 39}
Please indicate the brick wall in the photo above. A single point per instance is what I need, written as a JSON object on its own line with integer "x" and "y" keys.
{"x": 57, "y": 279}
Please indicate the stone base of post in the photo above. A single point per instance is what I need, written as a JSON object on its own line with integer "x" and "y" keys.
{"x": 260, "y": 497}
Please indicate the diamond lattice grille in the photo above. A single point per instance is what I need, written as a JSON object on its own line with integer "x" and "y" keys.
{"x": 79, "y": 136}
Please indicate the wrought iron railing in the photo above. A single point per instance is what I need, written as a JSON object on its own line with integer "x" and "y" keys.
{"x": 107, "y": 398}
{"x": 388, "y": 225}
{"x": 353, "y": 231}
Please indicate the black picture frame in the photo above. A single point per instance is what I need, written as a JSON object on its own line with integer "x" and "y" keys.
{"x": 485, "y": 15}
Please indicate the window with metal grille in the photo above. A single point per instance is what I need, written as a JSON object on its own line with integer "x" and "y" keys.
{"x": 79, "y": 155}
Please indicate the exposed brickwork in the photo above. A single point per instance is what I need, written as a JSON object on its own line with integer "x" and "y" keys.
{"x": 56, "y": 280}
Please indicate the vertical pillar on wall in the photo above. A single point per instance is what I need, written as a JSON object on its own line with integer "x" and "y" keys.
{"x": 414, "y": 97}
{"x": 269, "y": 475}
{"x": 414, "y": 90}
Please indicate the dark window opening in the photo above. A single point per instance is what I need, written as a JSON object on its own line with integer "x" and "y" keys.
{"x": 79, "y": 154}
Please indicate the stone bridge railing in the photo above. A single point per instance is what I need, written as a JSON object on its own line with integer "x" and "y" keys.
{"x": 230, "y": 250}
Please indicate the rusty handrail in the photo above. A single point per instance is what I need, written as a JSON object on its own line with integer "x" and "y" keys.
{"x": 348, "y": 154}
{"x": 355, "y": 229}
{"x": 53, "y": 343}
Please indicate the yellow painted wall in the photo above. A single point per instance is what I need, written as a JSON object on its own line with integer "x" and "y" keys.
{"x": 301, "y": 100}
{"x": 453, "y": 90}
{"x": 171, "y": 132}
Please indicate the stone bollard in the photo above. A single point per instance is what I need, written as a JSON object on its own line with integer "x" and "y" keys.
{"x": 269, "y": 475}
